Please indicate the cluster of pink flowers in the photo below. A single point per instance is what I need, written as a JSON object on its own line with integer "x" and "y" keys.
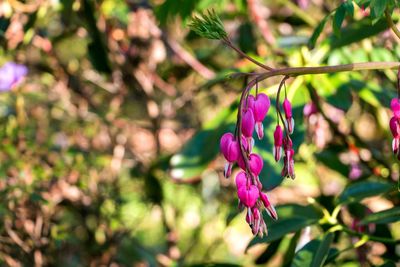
{"x": 395, "y": 126}
{"x": 237, "y": 148}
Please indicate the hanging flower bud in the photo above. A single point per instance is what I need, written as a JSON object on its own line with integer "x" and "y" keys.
{"x": 288, "y": 167}
{"x": 248, "y": 127}
{"x": 230, "y": 149}
{"x": 395, "y": 129}
{"x": 260, "y": 106}
{"x": 256, "y": 221}
{"x": 287, "y": 108}
{"x": 278, "y": 141}
{"x": 268, "y": 206}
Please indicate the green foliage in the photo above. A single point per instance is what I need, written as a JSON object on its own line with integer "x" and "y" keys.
{"x": 208, "y": 25}
{"x": 314, "y": 253}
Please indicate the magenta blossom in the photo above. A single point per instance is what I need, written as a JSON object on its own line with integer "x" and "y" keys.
{"x": 248, "y": 127}
{"x": 248, "y": 195}
{"x": 260, "y": 106}
{"x": 255, "y": 163}
{"x": 230, "y": 149}
{"x": 310, "y": 109}
{"x": 10, "y": 75}
{"x": 241, "y": 179}
{"x": 394, "y": 125}
{"x": 355, "y": 171}
{"x": 287, "y": 108}
{"x": 395, "y": 107}
{"x": 278, "y": 141}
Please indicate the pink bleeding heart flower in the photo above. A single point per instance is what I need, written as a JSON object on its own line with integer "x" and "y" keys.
{"x": 278, "y": 141}
{"x": 241, "y": 179}
{"x": 248, "y": 195}
{"x": 260, "y": 106}
{"x": 268, "y": 206}
{"x": 255, "y": 163}
{"x": 395, "y": 107}
{"x": 395, "y": 129}
{"x": 248, "y": 126}
{"x": 310, "y": 109}
{"x": 287, "y": 108}
{"x": 230, "y": 149}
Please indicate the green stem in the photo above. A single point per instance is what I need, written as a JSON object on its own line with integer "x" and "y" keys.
{"x": 391, "y": 23}
{"x": 240, "y": 52}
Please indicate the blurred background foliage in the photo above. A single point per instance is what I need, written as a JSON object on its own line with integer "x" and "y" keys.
{"x": 109, "y": 147}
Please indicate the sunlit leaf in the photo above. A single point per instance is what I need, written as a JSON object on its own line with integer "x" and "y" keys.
{"x": 361, "y": 190}
{"x": 385, "y": 216}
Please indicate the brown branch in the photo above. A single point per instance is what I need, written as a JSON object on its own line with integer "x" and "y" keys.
{"x": 189, "y": 59}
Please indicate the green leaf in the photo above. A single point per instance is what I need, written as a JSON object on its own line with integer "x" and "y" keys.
{"x": 385, "y": 216}
{"x": 378, "y": 8}
{"x": 317, "y": 32}
{"x": 348, "y": 5}
{"x": 356, "y": 32}
{"x": 314, "y": 253}
{"x": 292, "y": 218}
{"x": 361, "y": 190}
{"x": 269, "y": 252}
{"x": 338, "y": 19}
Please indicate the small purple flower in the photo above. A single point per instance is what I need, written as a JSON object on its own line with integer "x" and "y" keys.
{"x": 278, "y": 141}
{"x": 287, "y": 108}
{"x": 355, "y": 171}
{"x": 10, "y": 74}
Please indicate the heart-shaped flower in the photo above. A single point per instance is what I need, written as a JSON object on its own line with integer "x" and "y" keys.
{"x": 395, "y": 107}
{"x": 248, "y": 195}
{"x": 255, "y": 163}
{"x": 241, "y": 179}
{"x": 229, "y": 147}
{"x": 248, "y": 122}
{"x": 287, "y": 108}
{"x": 260, "y": 106}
